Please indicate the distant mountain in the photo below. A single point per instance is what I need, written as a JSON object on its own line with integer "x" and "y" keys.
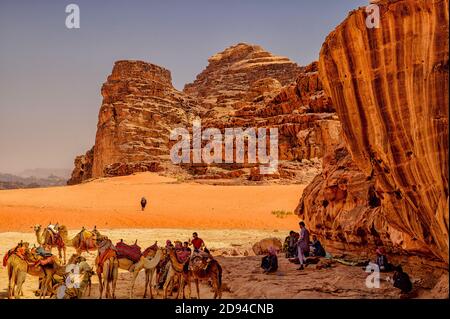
{"x": 10, "y": 181}
{"x": 45, "y": 173}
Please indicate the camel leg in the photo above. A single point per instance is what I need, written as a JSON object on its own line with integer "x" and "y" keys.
{"x": 100, "y": 285}
{"x": 20, "y": 280}
{"x": 197, "y": 288}
{"x": 147, "y": 275}
{"x": 115, "y": 275}
{"x": 11, "y": 272}
{"x": 133, "y": 280}
{"x": 151, "y": 272}
{"x": 166, "y": 285}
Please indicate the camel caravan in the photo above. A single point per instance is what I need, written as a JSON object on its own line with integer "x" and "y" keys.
{"x": 172, "y": 267}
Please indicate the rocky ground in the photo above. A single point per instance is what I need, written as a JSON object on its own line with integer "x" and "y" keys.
{"x": 242, "y": 276}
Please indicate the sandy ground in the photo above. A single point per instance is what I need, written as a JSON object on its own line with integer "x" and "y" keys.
{"x": 228, "y": 218}
{"x": 242, "y": 276}
{"x": 115, "y": 203}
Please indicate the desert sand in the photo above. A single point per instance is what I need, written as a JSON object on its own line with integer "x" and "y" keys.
{"x": 115, "y": 203}
{"x": 229, "y": 218}
{"x": 242, "y": 276}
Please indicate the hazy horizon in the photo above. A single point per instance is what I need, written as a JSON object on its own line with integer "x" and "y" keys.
{"x": 50, "y": 76}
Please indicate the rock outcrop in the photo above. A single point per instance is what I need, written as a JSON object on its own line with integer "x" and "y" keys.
{"x": 390, "y": 89}
{"x": 83, "y": 168}
{"x": 243, "y": 86}
{"x": 140, "y": 107}
{"x": 302, "y": 113}
{"x": 230, "y": 74}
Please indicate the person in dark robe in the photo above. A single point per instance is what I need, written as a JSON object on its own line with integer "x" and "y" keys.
{"x": 269, "y": 263}
{"x": 317, "y": 247}
{"x": 143, "y": 203}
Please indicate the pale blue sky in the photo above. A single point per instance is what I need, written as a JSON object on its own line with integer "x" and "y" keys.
{"x": 50, "y": 76}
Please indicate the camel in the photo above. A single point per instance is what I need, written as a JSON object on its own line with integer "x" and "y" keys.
{"x": 18, "y": 265}
{"x": 177, "y": 272}
{"x": 51, "y": 269}
{"x": 107, "y": 266}
{"x": 212, "y": 271}
{"x": 149, "y": 264}
{"x": 83, "y": 241}
{"x": 45, "y": 238}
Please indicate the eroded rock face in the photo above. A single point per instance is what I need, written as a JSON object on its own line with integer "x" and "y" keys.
{"x": 390, "y": 89}
{"x": 230, "y": 74}
{"x": 303, "y": 115}
{"x": 140, "y": 107}
{"x": 83, "y": 168}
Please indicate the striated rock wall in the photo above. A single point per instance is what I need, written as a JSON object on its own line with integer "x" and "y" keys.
{"x": 140, "y": 107}
{"x": 230, "y": 74}
{"x": 243, "y": 86}
{"x": 390, "y": 89}
{"x": 302, "y": 113}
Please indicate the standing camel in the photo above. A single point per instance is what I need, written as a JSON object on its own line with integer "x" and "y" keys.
{"x": 19, "y": 262}
{"x": 107, "y": 266}
{"x": 83, "y": 241}
{"x": 150, "y": 266}
{"x": 45, "y": 237}
{"x": 177, "y": 272}
{"x": 212, "y": 271}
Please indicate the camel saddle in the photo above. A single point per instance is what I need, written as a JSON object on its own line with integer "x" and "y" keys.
{"x": 131, "y": 252}
{"x": 101, "y": 258}
{"x": 152, "y": 248}
{"x": 18, "y": 250}
{"x": 56, "y": 239}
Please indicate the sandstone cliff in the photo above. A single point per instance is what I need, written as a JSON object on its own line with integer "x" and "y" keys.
{"x": 243, "y": 86}
{"x": 230, "y": 74}
{"x": 390, "y": 89}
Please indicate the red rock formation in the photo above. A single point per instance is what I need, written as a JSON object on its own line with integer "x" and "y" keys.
{"x": 83, "y": 168}
{"x": 230, "y": 74}
{"x": 140, "y": 107}
{"x": 390, "y": 89}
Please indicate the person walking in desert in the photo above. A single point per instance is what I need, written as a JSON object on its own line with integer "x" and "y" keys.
{"x": 143, "y": 203}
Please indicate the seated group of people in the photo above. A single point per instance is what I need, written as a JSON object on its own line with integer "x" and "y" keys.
{"x": 290, "y": 246}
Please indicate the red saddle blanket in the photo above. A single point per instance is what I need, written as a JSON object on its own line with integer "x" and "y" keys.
{"x": 131, "y": 252}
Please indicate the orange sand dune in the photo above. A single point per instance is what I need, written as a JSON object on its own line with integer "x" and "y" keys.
{"x": 114, "y": 203}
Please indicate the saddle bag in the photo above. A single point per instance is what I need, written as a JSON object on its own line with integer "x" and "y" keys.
{"x": 131, "y": 252}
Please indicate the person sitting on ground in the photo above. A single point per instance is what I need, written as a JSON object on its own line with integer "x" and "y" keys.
{"x": 402, "y": 281}
{"x": 303, "y": 245}
{"x": 382, "y": 260}
{"x": 196, "y": 242}
{"x": 269, "y": 263}
{"x": 317, "y": 248}
{"x": 143, "y": 203}
{"x": 290, "y": 245}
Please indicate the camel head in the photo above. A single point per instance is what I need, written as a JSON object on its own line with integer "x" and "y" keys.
{"x": 37, "y": 228}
